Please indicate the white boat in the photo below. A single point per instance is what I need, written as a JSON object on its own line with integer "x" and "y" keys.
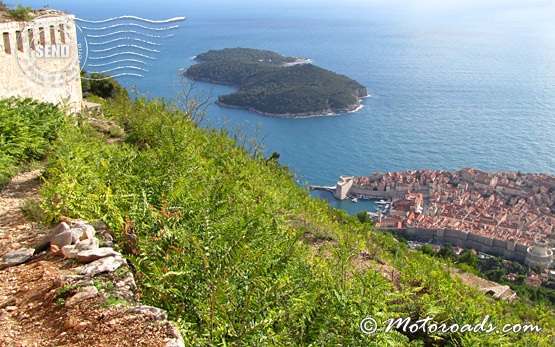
{"x": 382, "y": 202}
{"x": 354, "y": 200}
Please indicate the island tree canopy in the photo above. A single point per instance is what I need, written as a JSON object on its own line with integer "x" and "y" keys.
{"x": 273, "y": 84}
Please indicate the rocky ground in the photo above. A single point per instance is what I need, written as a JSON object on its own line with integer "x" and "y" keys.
{"x": 46, "y": 302}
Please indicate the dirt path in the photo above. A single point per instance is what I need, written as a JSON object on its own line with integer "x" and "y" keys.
{"x": 32, "y": 307}
{"x": 15, "y": 230}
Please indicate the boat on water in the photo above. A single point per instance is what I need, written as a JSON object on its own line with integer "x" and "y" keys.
{"x": 355, "y": 200}
{"x": 382, "y": 202}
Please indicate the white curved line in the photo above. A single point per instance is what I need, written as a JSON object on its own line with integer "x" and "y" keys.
{"x": 129, "y": 32}
{"x": 122, "y": 53}
{"x": 132, "y": 17}
{"x": 124, "y": 67}
{"x": 124, "y": 46}
{"x": 125, "y": 38}
{"x": 119, "y": 61}
{"x": 134, "y": 25}
{"x": 121, "y": 74}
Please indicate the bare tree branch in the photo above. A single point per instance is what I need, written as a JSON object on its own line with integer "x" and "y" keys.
{"x": 192, "y": 101}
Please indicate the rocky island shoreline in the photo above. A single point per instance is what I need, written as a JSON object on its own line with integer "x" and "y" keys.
{"x": 328, "y": 112}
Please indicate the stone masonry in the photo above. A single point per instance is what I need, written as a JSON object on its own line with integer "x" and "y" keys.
{"x": 27, "y": 70}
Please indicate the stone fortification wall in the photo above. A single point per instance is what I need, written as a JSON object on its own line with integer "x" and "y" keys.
{"x": 391, "y": 194}
{"x": 28, "y": 68}
{"x": 490, "y": 245}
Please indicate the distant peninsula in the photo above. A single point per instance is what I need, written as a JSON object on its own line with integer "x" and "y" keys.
{"x": 275, "y": 85}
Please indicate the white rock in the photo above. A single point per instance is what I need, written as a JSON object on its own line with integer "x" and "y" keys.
{"x": 61, "y": 228}
{"x": 44, "y": 243}
{"x": 107, "y": 264}
{"x": 108, "y": 239}
{"x": 154, "y": 312}
{"x": 95, "y": 254}
{"x": 84, "y": 294}
{"x": 87, "y": 244}
{"x": 62, "y": 239}
{"x": 76, "y": 234}
{"x": 17, "y": 257}
{"x": 88, "y": 232}
{"x": 79, "y": 224}
{"x": 68, "y": 251}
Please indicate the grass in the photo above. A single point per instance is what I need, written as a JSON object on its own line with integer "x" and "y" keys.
{"x": 111, "y": 301}
{"x": 60, "y": 302}
{"x": 220, "y": 242}
{"x": 63, "y": 289}
{"x": 103, "y": 285}
{"x": 32, "y": 210}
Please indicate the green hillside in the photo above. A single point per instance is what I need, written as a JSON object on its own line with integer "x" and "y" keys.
{"x": 239, "y": 255}
{"x": 26, "y": 131}
{"x": 268, "y": 85}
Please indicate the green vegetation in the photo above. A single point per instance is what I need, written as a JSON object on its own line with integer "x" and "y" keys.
{"x": 63, "y": 289}
{"x": 63, "y": 293}
{"x": 363, "y": 217}
{"x": 240, "y": 256}
{"x": 20, "y": 13}
{"x": 26, "y": 131}
{"x": 267, "y": 86}
{"x": 111, "y": 301}
{"x": 468, "y": 262}
{"x": 32, "y": 210}
{"x": 101, "y": 85}
{"x": 246, "y": 55}
{"x": 497, "y": 269}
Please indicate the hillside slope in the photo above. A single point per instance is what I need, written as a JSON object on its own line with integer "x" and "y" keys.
{"x": 238, "y": 254}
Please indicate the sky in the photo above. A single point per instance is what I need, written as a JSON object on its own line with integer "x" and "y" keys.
{"x": 514, "y": 12}
{"x": 524, "y": 7}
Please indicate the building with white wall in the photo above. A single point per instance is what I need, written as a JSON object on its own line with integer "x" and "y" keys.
{"x": 39, "y": 59}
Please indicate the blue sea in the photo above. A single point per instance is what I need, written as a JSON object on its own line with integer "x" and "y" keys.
{"x": 452, "y": 84}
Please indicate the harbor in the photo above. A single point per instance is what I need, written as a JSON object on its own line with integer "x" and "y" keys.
{"x": 354, "y": 203}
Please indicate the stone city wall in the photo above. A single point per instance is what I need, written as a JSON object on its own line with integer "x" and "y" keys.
{"x": 391, "y": 194}
{"x": 489, "y": 245}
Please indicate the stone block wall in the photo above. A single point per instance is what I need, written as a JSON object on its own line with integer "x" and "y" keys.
{"x": 494, "y": 246}
{"x": 27, "y": 72}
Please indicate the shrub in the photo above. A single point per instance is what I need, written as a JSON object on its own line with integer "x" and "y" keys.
{"x": 21, "y": 13}
{"x": 26, "y": 129}
{"x": 102, "y": 85}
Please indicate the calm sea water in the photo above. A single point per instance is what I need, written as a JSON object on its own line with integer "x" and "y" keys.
{"x": 471, "y": 84}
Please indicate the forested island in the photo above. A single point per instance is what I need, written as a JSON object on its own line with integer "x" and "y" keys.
{"x": 276, "y": 85}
